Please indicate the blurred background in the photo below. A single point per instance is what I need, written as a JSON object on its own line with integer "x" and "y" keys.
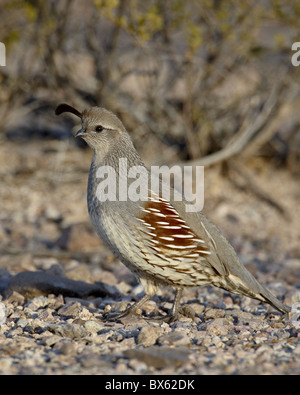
{"x": 185, "y": 76}
{"x": 195, "y": 82}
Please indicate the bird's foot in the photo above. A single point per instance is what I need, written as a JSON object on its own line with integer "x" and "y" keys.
{"x": 130, "y": 311}
{"x": 115, "y": 315}
{"x": 170, "y": 318}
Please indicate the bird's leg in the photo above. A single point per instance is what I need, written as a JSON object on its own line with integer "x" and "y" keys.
{"x": 173, "y": 314}
{"x": 130, "y": 310}
{"x": 174, "y": 310}
{"x": 171, "y": 317}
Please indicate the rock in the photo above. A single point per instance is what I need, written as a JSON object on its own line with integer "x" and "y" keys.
{"x": 72, "y": 331}
{"x": 45, "y": 315}
{"x": 3, "y": 313}
{"x": 175, "y": 338}
{"x": 93, "y": 326}
{"x": 91, "y": 360}
{"x": 78, "y": 237}
{"x": 5, "y": 364}
{"x": 70, "y": 309}
{"x": 50, "y": 341}
{"x": 37, "y": 303}
{"x": 187, "y": 311}
{"x": 219, "y": 326}
{"x": 15, "y": 298}
{"x": 160, "y": 357}
{"x": 65, "y": 347}
{"x": 297, "y": 351}
{"x": 5, "y": 277}
{"x": 137, "y": 365}
{"x": 148, "y": 336}
{"x": 198, "y": 308}
{"x": 213, "y": 313}
{"x": 80, "y": 272}
{"x": 119, "y": 307}
{"x": 53, "y": 214}
{"x": 32, "y": 284}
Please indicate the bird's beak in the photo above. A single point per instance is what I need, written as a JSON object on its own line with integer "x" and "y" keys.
{"x": 81, "y": 133}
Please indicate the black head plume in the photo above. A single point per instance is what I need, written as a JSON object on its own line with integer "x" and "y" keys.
{"x": 66, "y": 108}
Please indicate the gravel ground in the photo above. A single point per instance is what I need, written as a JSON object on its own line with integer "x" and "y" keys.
{"x": 216, "y": 334}
{"x": 57, "y": 281}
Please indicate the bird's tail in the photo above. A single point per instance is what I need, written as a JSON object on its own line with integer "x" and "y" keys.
{"x": 267, "y": 296}
{"x": 250, "y": 287}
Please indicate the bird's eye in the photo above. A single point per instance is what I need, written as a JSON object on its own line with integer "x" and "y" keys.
{"x": 99, "y": 128}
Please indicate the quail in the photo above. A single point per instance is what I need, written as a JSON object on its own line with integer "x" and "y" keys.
{"x": 155, "y": 237}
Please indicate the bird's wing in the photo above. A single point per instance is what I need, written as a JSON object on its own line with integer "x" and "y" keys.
{"x": 173, "y": 243}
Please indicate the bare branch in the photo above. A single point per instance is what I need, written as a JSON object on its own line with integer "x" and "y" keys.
{"x": 236, "y": 145}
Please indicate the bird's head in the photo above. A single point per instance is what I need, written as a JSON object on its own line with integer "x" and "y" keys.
{"x": 100, "y": 127}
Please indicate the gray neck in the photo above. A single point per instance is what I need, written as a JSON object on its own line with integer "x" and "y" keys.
{"x": 122, "y": 149}
{"x": 121, "y": 157}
